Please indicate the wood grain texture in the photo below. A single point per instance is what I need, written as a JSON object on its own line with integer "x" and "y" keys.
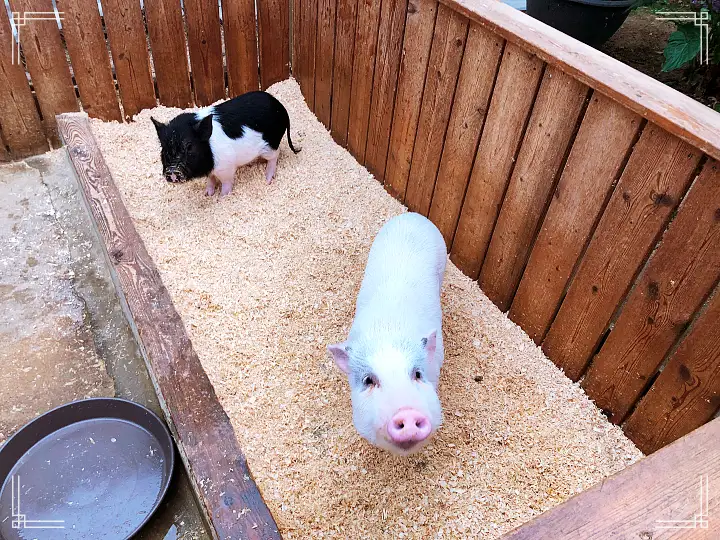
{"x": 206, "y": 439}
{"x": 274, "y": 29}
{"x": 510, "y": 107}
{"x": 324, "y": 60}
{"x": 675, "y": 112}
{"x": 4, "y": 152}
{"x": 443, "y": 68}
{"x": 128, "y": 45}
{"x": 419, "y": 28}
{"x": 296, "y": 32}
{"x": 205, "y": 44}
{"x": 483, "y": 51}
{"x": 342, "y": 69}
{"x": 306, "y": 52}
{"x": 86, "y": 46}
{"x": 550, "y": 130}
{"x": 366, "y": 35}
{"x": 387, "y": 67}
{"x": 687, "y": 392}
{"x": 167, "y": 44}
{"x": 628, "y": 505}
{"x": 673, "y": 286}
{"x": 241, "y": 46}
{"x": 597, "y": 158}
{"x": 47, "y": 65}
{"x": 657, "y": 176}
{"x": 19, "y": 119}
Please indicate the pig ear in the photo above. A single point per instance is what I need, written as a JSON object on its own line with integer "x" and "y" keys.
{"x": 159, "y": 126}
{"x": 339, "y": 353}
{"x": 204, "y": 128}
{"x": 429, "y": 343}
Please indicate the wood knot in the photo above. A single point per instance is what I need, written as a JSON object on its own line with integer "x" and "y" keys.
{"x": 653, "y": 289}
{"x": 228, "y": 500}
{"x": 116, "y": 255}
{"x": 412, "y": 8}
{"x": 717, "y": 214}
{"x": 685, "y": 374}
{"x": 661, "y": 199}
{"x": 458, "y": 42}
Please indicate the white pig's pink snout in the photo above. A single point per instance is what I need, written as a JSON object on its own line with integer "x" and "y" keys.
{"x": 408, "y": 427}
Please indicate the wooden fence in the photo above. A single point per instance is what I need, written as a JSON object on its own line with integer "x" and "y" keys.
{"x": 582, "y": 195}
{"x": 130, "y": 58}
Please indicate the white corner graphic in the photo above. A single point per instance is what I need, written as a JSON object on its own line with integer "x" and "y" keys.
{"x": 20, "y": 19}
{"x": 20, "y": 520}
{"x": 700, "y": 19}
{"x": 700, "y": 520}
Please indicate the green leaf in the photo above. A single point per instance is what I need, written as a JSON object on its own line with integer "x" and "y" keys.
{"x": 682, "y": 46}
{"x": 717, "y": 107}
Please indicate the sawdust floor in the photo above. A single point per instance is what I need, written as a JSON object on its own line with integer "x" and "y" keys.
{"x": 267, "y": 277}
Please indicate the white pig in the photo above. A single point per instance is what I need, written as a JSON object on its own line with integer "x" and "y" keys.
{"x": 394, "y": 352}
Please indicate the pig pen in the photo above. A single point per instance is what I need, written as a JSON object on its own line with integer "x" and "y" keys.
{"x": 267, "y": 277}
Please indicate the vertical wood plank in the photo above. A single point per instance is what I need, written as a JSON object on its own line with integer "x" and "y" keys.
{"x": 167, "y": 43}
{"x": 387, "y": 66}
{"x": 47, "y": 64}
{"x": 510, "y": 107}
{"x": 4, "y": 153}
{"x": 241, "y": 46}
{"x": 296, "y": 35}
{"x": 205, "y": 44}
{"x": 445, "y": 58}
{"x": 483, "y": 51}
{"x": 419, "y": 28}
{"x": 598, "y": 155}
{"x": 128, "y": 45}
{"x": 672, "y": 288}
{"x": 85, "y": 42}
{"x": 274, "y": 29}
{"x": 22, "y": 130}
{"x": 342, "y": 69}
{"x": 306, "y": 52}
{"x": 657, "y": 176}
{"x": 324, "y": 60}
{"x": 366, "y": 36}
{"x": 551, "y": 127}
{"x": 687, "y": 392}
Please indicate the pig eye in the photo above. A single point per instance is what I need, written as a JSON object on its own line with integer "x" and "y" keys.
{"x": 418, "y": 375}
{"x": 369, "y": 381}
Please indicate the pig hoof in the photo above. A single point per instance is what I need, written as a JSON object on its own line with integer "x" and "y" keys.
{"x": 209, "y": 192}
{"x": 225, "y": 190}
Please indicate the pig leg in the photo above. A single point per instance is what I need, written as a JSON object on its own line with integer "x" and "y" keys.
{"x": 212, "y": 183}
{"x": 226, "y": 178}
{"x": 271, "y": 158}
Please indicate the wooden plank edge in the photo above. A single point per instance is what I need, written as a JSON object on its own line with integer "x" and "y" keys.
{"x": 257, "y": 525}
{"x": 596, "y": 504}
{"x": 677, "y": 113}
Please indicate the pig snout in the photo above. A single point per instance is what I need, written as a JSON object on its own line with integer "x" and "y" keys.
{"x": 408, "y": 427}
{"x": 174, "y": 176}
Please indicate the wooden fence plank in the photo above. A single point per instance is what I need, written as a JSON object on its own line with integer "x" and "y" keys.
{"x": 324, "y": 60}
{"x": 671, "y": 289}
{"x": 657, "y": 176}
{"x": 85, "y": 42}
{"x": 128, "y": 44}
{"x": 167, "y": 44}
{"x": 387, "y": 66}
{"x": 630, "y": 504}
{"x": 675, "y": 112}
{"x": 306, "y": 53}
{"x": 510, "y": 107}
{"x": 419, "y": 28}
{"x": 4, "y": 153}
{"x": 274, "y": 29}
{"x": 483, "y": 51}
{"x": 342, "y": 69}
{"x": 598, "y": 155}
{"x": 22, "y": 130}
{"x": 552, "y": 125}
{"x": 205, "y": 44}
{"x": 443, "y": 68}
{"x": 362, "y": 82}
{"x": 205, "y": 437}
{"x": 687, "y": 392}
{"x": 296, "y": 32}
{"x": 47, "y": 64}
{"x": 241, "y": 46}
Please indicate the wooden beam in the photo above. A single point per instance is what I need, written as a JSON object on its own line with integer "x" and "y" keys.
{"x": 209, "y": 449}
{"x": 664, "y": 486}
{"x": 677, "y": 113}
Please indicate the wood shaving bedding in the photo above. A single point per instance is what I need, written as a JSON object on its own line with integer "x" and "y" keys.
{"x": 267, "y": 277}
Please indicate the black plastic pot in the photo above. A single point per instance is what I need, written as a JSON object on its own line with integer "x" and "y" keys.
{"x": 590, "y": 21}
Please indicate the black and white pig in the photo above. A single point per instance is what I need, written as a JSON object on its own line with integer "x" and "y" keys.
{"x": 216, "y": 140}
{"x": 394, "y": 351}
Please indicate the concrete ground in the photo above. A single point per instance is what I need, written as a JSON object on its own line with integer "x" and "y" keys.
{"x": 63, "y": 335}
